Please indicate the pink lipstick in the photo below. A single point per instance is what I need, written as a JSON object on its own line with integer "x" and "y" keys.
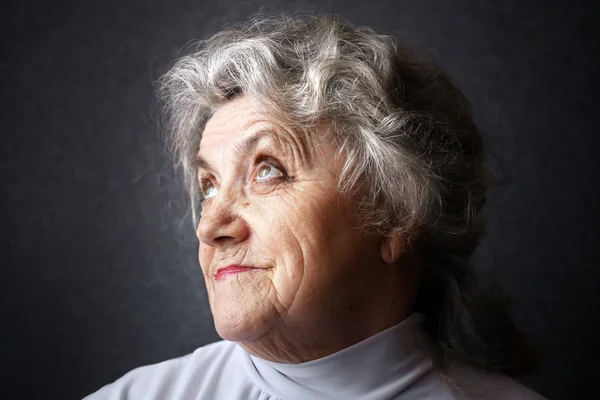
{"x": 231, "y": 270}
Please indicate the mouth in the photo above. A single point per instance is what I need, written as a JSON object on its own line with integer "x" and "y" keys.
{"x": 232, "y": 270}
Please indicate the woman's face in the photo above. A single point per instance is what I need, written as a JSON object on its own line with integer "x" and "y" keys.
{"x": 271, "y": 204}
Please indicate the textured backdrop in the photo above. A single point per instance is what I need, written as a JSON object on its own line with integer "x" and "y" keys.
{"x": 98, "y": 264}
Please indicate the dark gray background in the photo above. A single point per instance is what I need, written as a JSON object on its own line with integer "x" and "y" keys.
{"x": 98, "y": 264}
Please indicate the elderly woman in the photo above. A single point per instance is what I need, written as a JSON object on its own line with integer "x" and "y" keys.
{"x": 341, "y": 182}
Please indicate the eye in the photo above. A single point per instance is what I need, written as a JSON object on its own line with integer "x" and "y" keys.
{"x": 207, "y": 189}
{"x": 267, "y": 170}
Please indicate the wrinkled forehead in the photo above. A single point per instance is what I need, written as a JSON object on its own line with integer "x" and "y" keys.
{"x": 237, "y": 122}
{"x": 233, "y": 120}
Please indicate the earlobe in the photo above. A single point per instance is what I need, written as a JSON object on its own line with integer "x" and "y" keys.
{"x": 392, "y": 247}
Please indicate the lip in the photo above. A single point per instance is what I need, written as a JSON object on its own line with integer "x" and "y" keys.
{"x": 232, "y": 270}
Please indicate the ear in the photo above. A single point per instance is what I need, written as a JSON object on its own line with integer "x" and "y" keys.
{"x": 400, "y": 241}
{"x": 392, "y": 246}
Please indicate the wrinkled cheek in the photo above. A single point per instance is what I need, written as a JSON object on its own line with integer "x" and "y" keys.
{"x": 295, "y": 272}
{"x": 205, "y": 256}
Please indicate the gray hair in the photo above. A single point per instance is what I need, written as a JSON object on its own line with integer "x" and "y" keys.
{"x": 411, "y": 149}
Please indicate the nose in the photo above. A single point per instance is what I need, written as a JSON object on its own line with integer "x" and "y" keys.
{"x": 220, "y": 225}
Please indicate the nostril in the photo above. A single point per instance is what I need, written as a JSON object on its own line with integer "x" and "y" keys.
{"x": 222, "y": 239}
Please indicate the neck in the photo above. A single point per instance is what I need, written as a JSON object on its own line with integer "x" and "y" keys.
{"x": 303, "y": 346}
{"x": 378, "y": 368}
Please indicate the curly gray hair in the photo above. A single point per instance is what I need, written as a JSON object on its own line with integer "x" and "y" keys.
{"x": 411, "y": 149}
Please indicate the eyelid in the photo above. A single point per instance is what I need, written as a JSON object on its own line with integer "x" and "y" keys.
{"x": 258, "y": 160}
{"x": 271, "y": 161}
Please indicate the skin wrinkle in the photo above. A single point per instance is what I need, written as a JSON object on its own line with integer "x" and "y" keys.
{"x": 302, "y": 262}
{"x": 323, "y": 279}
{"x": 269, "y": 133}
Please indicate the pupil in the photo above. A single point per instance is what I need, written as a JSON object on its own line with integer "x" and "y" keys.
{"x": 261, "y": 172}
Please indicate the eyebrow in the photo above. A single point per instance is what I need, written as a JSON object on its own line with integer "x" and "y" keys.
{"x": 241, "y": 149}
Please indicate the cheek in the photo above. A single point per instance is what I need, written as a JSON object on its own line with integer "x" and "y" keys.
{"x": 304, "y": 232}
{"x": 205, "y": 257}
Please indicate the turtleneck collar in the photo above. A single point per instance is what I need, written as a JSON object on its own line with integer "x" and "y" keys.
{"x": 379, "y": 367}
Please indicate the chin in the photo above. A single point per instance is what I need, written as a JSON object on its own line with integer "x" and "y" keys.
{"x": 242, "y": 325}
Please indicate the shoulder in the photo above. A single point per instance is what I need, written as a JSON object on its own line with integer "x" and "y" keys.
{"x": 471, "y": 384}
{"x": 173, "y": 378}
{"x": 475, "y": 384}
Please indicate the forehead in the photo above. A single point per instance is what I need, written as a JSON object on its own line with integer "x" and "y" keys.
{"x": 229, "y": 121}
{"x": 239, "y": 125}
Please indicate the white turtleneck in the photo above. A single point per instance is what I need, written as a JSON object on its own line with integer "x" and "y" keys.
{"x": 393, "y": 364}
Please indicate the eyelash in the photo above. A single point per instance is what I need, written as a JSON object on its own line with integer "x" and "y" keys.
{"x": 261, "y": 159}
